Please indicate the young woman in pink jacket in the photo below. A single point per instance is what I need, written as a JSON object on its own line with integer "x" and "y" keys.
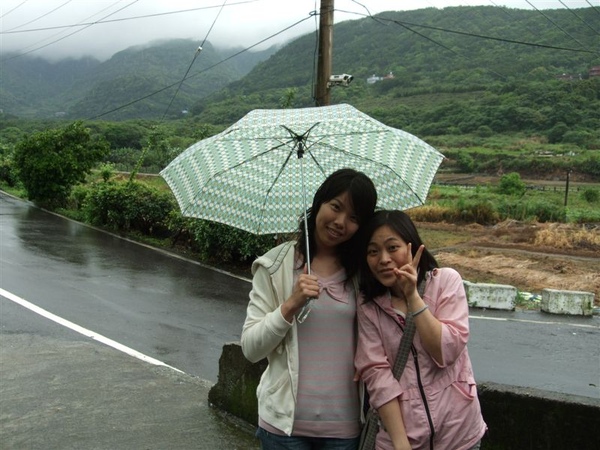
{"x": 434, "y": 405}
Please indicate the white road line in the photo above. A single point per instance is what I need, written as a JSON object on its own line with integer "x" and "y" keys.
{"x": 89, "y": 333}
{"x": 507, "y": 319}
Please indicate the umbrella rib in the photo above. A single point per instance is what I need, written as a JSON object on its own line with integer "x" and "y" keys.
{"x": 228, "y": 169}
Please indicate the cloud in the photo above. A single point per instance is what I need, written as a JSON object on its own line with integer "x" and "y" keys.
{"x": 56, "y": 29}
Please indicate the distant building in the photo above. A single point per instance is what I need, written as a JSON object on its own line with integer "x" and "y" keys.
{"x": 374, "y": 78}
{"x": 569, "y": 77}
{"x": 60, "y": 114}
{"x": 595, "y": 71}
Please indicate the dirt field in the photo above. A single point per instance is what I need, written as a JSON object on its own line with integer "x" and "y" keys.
{"x": 530, "y": 257}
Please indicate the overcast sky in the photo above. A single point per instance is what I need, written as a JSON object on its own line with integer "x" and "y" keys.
{"x": 55, "y": 29}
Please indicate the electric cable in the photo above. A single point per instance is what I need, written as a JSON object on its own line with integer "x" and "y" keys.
{"x": 196, "y": 53}
{"x": 480, "y": 36}
{"x": 40, "y": 17}
{"x": 509, "y": 41}
{"x": 202, "y": 71}
{"x": 102, "y": 21}
{"x": 555, "y": 24}
{"x": 580, "y": 19}
{"x": 16, "y": 7}
{"x": 68, "y": 35}
{"x": 60, "y": 32}
{"x": 594, "y": 7}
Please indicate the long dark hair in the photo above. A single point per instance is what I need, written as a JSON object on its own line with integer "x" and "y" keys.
{"x": 402, "y": 224}
{"x": 363, "y": 197}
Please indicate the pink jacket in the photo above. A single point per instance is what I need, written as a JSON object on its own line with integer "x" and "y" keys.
{"x": 438, "y": 399}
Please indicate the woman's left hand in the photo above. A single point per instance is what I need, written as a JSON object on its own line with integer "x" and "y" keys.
{"x": 407, "y": 274}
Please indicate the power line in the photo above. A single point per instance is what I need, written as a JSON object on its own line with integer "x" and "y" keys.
{"x": 202, "y": 71}
{"x": 193, "y": 59}
{"x": 480, "y": 36}
{"x": 16, "y": 7}
{"x": 40, "y": 17}
{"x": 576, "y": 15}
{"x": 555, "y": 24}
{"x": 464, "y": 33}
{"x": 595, "y": 8}
{"x": 69, "y": 35}
{"x": 102, "y": 21}
{"x": 60, "y": 32}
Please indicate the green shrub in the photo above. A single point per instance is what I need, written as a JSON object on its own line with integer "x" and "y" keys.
{"x": 129, "y": 206}
{"x": 8, "y": 173}
{"x": 511, "y": 184}
{"x": 479, "y": 211}
{"x": 218, "y": 242}
{"x": 107, "y": 170}
{"x": 537, "y": 210}
{"x": 466, "y": 163}
{"x": 590, "y": 195}
{"x": 583, "y": 215}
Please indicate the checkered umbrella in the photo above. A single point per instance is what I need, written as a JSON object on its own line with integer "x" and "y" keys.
{"x": 257, "y": 174}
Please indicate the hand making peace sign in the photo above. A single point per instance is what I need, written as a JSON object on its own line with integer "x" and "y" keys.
{"x": 407, "y": 274}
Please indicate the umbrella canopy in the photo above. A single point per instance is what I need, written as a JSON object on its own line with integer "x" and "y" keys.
{"x": 257, "y": 174}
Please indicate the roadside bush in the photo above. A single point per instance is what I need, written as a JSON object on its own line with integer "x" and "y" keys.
{"x": 590, "y": 195}
{"x": 221, "y": 243}
{"x": 130, "y": 206}
{"x": 584, "y": 215}
{"x": 8, "y": 172}
{"x": 511, "y": 184}
{"x": 482, "y": 212}
{"x": 536, "y": 210}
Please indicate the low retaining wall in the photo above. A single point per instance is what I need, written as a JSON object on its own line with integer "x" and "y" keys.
{"x": 518, "y": 418}
{"x": 567, "y": 302}
{"x": 495, "y": 296}
{"x": 505, "y": 297}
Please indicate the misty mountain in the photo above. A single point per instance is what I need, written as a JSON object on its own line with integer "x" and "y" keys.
{"x": 403, "y": 60}
{"x": 86, "y": 88}
{"x": 403, "y": 63}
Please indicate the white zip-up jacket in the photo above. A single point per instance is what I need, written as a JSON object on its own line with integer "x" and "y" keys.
{"x": 266, "y": 334}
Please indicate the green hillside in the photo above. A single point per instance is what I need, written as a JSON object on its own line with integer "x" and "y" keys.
{"x": 455, "y": 70}
{"x": 85, "y": 88}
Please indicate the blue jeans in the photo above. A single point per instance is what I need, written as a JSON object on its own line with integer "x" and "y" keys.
{"x": 270, "y": 441}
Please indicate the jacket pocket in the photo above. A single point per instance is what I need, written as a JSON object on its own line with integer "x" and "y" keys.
{"x": 276, "y": 397}
{"x": 466, "y": 389}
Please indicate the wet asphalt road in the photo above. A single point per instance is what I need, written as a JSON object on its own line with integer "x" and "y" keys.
{"x": 181, "y": 313}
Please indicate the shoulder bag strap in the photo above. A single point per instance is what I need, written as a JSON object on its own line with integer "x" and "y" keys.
{"x": 406, "y": 342}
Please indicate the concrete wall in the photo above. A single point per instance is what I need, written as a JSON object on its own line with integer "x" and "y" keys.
{"x": 567, "y": 302}
{"x": 518, "y": 418}
{"x": 501, "y": 296}
{"x": 495, "y": 296}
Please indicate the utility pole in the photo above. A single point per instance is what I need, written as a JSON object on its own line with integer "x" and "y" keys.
{"x": 322, "y": 95}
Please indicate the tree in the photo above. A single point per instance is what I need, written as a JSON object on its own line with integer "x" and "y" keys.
{"x": 50, "y": 163}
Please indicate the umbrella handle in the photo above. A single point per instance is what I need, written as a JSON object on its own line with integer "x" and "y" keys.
{"x": 303, "y": 314}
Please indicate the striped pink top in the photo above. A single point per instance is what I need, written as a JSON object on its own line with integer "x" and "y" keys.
{"x": 328, "y": 403}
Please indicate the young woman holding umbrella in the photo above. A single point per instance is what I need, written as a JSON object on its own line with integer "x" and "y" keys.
{"x": 307, "y": 396}
{"x": 434, "y": 404}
